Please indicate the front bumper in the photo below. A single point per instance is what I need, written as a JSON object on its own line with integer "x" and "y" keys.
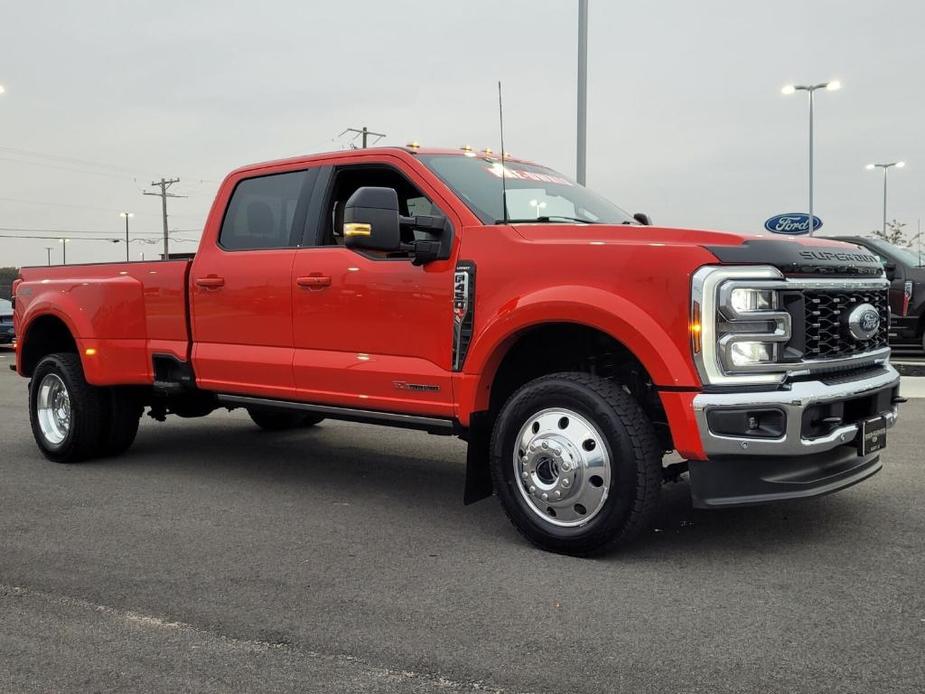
{"x": 805, "y": 457}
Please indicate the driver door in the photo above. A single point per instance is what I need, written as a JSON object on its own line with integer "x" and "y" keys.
{"x": 371, "y": 332}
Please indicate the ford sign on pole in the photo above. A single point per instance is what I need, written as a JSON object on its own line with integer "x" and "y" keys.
{"x": 792, "y": 223}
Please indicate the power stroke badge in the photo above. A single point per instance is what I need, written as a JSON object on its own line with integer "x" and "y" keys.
{"x": 463, "y": 310}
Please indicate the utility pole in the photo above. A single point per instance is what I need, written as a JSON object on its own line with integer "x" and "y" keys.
{"x": 581, "y": 163}
{"x": 64, "y": 243}
{"x": 126, "y": 215}
{"x": 362, "y": 133}
{"x": 164, "y": 184}
{"x": 48, "y": 250}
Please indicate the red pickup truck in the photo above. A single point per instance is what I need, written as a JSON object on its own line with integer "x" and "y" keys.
{"x": 570, "y": 344}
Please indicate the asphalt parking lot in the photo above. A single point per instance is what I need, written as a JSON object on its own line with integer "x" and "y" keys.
{"x": 215, "y": 557}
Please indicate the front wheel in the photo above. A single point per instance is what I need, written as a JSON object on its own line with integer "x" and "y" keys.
{"x": 576, "y": 463}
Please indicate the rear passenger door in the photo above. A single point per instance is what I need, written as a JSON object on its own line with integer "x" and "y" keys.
{"x": 241, "y": 293}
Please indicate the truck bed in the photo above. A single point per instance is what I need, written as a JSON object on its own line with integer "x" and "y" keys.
{"x": 119, "y": 313}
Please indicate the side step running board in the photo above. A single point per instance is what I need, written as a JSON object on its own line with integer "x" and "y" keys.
{"x": 433, "y": 425}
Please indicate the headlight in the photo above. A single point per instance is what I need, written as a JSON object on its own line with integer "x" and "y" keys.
{"x": 743, "y": 299}
{"x": 740, "y": 327}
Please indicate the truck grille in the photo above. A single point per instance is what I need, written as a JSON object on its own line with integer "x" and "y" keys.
{"x": 825, "y": 315}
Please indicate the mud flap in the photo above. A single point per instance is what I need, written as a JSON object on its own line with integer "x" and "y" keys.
{"x": 478, "y": 474}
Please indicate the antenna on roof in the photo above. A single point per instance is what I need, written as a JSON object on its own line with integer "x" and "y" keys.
{"x": 503, "y": 172}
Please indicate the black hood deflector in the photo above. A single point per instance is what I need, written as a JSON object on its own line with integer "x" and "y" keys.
{"x": 803, "y": 259}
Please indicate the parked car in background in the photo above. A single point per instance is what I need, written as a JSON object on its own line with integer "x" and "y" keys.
{"x": 906, "y": 272}
{"x": 6, "y": 322}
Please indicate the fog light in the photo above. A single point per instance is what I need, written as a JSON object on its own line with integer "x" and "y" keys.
{"x": 750, "y": 353}
{"x": 747, "y": 423}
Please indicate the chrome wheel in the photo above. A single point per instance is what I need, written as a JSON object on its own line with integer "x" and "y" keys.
{"x": 53, "y": 409}
{"x": 562, "y": 467}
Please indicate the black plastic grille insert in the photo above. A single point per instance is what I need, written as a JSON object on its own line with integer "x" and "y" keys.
{"x": 826, "y": 313}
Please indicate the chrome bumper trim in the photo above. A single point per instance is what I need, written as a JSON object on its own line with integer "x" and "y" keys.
{"x": 793, "y": 402}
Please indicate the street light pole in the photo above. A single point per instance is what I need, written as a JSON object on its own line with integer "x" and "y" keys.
{"x": 126, "y": 215}
{"x": 581, "y": 159}
{"x": 886, "y": 166}
{"x": 812, "y": 219}
{"x": 831, "y": 86}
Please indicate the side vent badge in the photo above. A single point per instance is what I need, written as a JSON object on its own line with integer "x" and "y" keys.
{"x": 463, "y": 311}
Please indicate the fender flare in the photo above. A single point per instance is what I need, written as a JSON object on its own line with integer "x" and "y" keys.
{"x": 596, "y": 308}
{"x": 43, "y": 309}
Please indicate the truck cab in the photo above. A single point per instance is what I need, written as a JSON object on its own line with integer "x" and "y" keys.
{"x": 451, "y": 291}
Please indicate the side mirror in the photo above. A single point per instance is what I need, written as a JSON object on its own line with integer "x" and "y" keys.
{"x": 371, "y": 220}
{"x": 643, "y": 218}
{"x": 890, "y": 270}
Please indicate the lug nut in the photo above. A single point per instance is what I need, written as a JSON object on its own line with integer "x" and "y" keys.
{"x": 545, "y": 444}
{"x": 558, "y": 493}
{"x": 566, "y": 465}
{"x": 525, "y": 475}
{"x": 545, "y": 496}
{"x": 532, "y": 489}
{"x": 565, "y": 483}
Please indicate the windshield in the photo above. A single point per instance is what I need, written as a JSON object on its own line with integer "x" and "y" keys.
{"x": 5, "y": 306}
{"x": 902, "y": 255}
{"x": 534, "y": 193}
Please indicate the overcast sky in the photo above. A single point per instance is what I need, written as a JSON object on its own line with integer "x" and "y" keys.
{"x": 686, "y": 121}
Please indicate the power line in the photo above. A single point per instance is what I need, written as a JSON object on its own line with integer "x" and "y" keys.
{"x": 89, "y": 162}
{"x": 93, "y": 238}
{"x": 96, "y": 231}
{"x": 106, "y": 174}
{"x": 81, "y": 207}
{"x": 70, "y": 160}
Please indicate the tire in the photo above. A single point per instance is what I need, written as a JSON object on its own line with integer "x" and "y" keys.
{"x": 66, "y": 413}
{"x": 121, "y": 424}
{"x": 281, "y": 421}
{"x": 588, "y": 446}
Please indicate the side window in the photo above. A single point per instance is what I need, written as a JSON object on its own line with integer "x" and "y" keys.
{"x": 267, "y": 211}
{"x": 411, "y": 201}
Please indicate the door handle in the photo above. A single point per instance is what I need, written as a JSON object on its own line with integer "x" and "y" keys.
{"x": 210, "y": 282}
{"x": 314, "y": 281}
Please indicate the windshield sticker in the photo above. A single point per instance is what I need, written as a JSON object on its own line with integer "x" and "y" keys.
{"x": 520, "y": 174}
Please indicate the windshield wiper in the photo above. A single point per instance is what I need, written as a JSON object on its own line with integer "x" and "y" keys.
{"x": 546, "y": 219}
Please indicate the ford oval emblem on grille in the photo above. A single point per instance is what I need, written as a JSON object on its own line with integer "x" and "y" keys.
{"x": 863, "y": 322}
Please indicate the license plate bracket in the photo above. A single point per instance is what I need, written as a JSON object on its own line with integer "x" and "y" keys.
{"x": 873, "y": 435}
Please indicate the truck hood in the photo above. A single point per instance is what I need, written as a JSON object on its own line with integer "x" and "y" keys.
{"x": 804, "y": 255}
